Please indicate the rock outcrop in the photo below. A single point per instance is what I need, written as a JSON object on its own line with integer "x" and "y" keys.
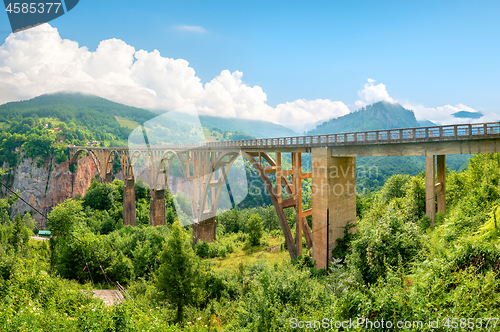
{"x": 45, "y": 189}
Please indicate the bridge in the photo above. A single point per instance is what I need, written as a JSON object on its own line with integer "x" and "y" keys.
{"x": 333, "y": 175}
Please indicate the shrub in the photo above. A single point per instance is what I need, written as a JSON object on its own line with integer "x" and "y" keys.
{"x": 254, "y": 229}
{"x": 202, "y": 249}
{"x": 383, "y": 244}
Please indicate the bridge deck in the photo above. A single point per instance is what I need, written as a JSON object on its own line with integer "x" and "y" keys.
{"x": 448, "y": 139}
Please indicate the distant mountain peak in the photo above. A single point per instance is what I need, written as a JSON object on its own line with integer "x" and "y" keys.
{"x": 377, "y": 116}
{"x": 468, "y": 115}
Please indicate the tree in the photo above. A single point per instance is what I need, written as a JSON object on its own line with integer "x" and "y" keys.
{"x": 101, "y": 196}
{"x": 64, "y": 217}
{"x": 66, "y": 252}
{"x": 395, "y": 186}
{"x": 255, "y": 229}
{"x": 20, "y": 234}
{"x": 180, "y": 277}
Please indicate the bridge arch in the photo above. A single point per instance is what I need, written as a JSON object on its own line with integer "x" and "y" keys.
{"x": 74, "y": 158}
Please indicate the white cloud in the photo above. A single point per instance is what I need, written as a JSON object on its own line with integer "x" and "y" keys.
{"x": 373, "y": 93}
{"x": 38, "y": 61}
{"x": 444, "y": 114}
{"x": 191, "y": 28}
{"x": 306, "y": 114}
{"x": 227, "y": 96}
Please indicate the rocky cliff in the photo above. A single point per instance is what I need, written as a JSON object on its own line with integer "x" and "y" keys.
{"x": 45, "y": 187}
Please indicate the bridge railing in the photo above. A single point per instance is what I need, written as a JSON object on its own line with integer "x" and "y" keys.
{"x": 421, "y": 134}
{"x": 433, "y": 133}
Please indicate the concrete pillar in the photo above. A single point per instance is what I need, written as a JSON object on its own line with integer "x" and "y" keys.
{"x": 430, "y": 197}
{"x": 333, "y": 189}
{"x": 129, "y": 202}
{"x": 441, "y": 185}
{"x": 204, "y": 230}
{"x": 157, "y": 207}
{"x": 108, "y": 178}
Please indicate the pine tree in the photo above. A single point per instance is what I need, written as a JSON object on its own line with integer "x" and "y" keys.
{"x": 19, "y": 235}
{"x": 180, "y": 276}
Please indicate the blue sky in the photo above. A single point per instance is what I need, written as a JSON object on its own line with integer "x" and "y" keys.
{"x": 427, "y": 54}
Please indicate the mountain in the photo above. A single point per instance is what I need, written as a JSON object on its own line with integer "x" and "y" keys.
{"x": 468, "y": 115}
{"x": 73, "y": 106}
{"x": 85, "y": 118}
{"x": 426, "y": 123}
{"x": 255, "y": 128}
{"x": 381, "y": 115}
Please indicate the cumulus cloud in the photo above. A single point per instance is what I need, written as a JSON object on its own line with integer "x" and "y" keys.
{"x": 307, "y": 114}
{"x": 372, "y": 93}
{"x": 444, "y": 114}
{"x": 38, "y": 61}
{"x": 191, "y": 28}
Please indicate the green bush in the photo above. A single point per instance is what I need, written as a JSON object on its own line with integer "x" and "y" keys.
{"x": 101, "y": 196}
{"x": 254, "y": 229}
{"x": 382, "y": 244}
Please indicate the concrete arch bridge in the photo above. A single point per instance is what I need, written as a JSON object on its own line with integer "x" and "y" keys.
{"x": 333, "y": 174}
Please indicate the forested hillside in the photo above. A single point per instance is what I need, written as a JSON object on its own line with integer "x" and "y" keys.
{"x": 394, "y": 268}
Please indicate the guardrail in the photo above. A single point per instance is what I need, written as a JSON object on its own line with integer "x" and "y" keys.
{"x": 388, "y": 136}
{"x": 404, "y": 135}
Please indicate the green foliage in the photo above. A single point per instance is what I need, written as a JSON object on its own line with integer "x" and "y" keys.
{"x": 395, "y": 266}
{"x": 20, "y": 234}
{"x": 64, "y": 219}
{"x": 101, "y": 196}
{"x": 120, "y": 268}
{"x": 219, "y": 248}
{"x": 180, "y": 275}
{"x": 395, "y": 186}
{"x": 344, "y": 244}
{"x": 382, "y": 244}
{"x": 254, "y": 229}
{"x": 39, "y": 146}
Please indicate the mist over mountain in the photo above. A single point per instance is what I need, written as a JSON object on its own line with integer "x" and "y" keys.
{"x": 257, "y": 128}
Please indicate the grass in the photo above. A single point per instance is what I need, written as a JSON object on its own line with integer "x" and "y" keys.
{"x": 127, "y": 123}
{"x": 55, "y": 122}
{"x": 270, "y": 251}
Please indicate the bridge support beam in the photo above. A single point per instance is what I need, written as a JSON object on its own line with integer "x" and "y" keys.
{"x": 441, "y": 185}
{"x": 157, "y": 207}
{"x": 333, "y": 189}
{"x": 432, "y": 189}
{"x": 430, "y": 197}
{"x": 129, "y": 202}
{"x": 204, "y": 231}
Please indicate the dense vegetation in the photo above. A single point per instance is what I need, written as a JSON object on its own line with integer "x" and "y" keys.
{"x": 394, "y": 268}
